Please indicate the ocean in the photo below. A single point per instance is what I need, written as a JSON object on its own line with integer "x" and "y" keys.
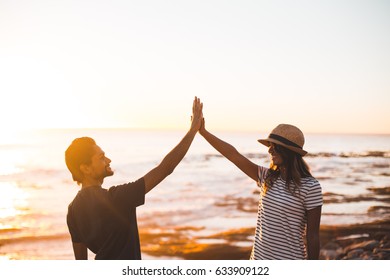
{"x": 206, "y": 203}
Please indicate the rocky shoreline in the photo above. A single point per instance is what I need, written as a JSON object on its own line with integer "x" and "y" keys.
{"x": 354, "y": 242}
{"x": 370, "y": 241}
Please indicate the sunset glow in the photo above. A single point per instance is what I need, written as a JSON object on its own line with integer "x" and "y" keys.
{"x": 12, "y": 201}
{"x": 138, "y": 64}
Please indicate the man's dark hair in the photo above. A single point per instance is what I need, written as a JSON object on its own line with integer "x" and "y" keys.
{"x": 78, "y": 153}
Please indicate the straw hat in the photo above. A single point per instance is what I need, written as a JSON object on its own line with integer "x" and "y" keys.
{"x": 288, "y": 136}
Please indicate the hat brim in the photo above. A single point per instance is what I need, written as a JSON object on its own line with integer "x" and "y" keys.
{"x": 267, "y": 142}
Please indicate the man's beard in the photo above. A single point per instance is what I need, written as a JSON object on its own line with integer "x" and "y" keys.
{"x": 109, "y": 172}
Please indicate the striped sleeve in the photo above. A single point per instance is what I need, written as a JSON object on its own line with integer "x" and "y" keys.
{"x": 314, "y": 194}
{"x": 261, "y": 174}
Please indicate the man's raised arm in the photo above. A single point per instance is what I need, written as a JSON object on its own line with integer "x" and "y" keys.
{"x": 173, "y": 158}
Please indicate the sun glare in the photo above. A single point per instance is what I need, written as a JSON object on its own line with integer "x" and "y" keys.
{"x": 12, "y": 200}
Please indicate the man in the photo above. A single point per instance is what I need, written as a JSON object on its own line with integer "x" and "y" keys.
{"x": 105, "y": 221}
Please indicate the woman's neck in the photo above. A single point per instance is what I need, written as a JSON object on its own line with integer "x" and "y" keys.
{"x": 283, "y": 172}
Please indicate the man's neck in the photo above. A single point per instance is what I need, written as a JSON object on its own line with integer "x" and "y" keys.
{"x": 91, "y": 183}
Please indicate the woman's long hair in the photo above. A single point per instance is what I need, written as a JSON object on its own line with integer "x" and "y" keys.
{"x": 296, "y": 169}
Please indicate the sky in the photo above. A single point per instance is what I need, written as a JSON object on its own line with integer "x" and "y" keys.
{"x": 321, "y": 65}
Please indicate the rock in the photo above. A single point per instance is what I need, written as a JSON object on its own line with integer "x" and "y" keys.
{"x": 355, "y": 254}
{"x": 367, "y": 256}
{"x": 331, "y": 251}
{"x": 383, "y": 256}
{"x": 331, "y": 246}
{"x": 361, "y": 241}
{"x": 385, "y": 242}
{"x": 366, "y": 245}
{"x": 330, "y": 255}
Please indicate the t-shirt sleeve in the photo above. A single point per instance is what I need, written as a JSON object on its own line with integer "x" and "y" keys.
{"x": 129, "y": 195}
{"x": 261, "y": 174}
{"x": 314, "y": 196}
{"x": 72, "y": 226}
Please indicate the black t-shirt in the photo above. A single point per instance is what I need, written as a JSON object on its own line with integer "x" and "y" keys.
{"x": 106, "y": 221}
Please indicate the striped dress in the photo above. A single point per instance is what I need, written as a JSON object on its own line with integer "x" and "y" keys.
{"x": 281, "y": 220}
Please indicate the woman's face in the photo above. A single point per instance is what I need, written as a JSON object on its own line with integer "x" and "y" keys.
{"x": 276, "y": 158}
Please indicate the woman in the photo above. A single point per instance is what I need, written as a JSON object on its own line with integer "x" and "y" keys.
{"x": 290, "y": 202}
